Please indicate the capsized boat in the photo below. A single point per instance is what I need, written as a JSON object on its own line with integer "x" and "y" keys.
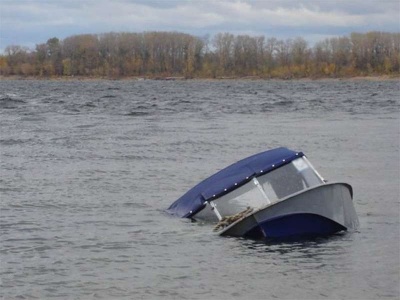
{"x": 272, "y": 194}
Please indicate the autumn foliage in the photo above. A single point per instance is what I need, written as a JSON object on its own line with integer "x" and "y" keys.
{"x": 173, "y": 54}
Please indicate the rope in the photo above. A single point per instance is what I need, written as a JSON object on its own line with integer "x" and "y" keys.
{"x": 228, "y": 220}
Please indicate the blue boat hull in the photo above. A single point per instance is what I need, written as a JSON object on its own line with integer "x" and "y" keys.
{"x": 322, "y": 210}
{"x": 303, "y": 224}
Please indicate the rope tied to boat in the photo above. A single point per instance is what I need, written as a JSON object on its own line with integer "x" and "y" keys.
{"x": 228, "y": 220}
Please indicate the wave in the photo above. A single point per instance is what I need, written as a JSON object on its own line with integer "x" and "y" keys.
{"x": 8, "y": 102}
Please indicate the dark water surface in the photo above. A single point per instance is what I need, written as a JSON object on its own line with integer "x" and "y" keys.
{"x": 88, "y": 168}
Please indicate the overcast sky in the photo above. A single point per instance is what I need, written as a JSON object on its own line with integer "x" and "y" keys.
{"x": 30, "y": 22}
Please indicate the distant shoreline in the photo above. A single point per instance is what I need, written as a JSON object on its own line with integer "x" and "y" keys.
{"x": 172, "y": 78}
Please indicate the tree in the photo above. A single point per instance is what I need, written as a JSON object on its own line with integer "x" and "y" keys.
{"x": 16, "y": 56}
{"x": 54, "y": 55}
{"x": 161, "y": 54}
{"x": 223, "y": 43}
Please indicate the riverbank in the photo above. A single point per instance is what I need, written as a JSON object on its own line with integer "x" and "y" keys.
{"x": 177, "y": 78}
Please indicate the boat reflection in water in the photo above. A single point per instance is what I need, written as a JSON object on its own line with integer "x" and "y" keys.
{"x": 273, "y": 194}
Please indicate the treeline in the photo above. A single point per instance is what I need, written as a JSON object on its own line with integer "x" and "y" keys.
{"x": 173, "y": 54}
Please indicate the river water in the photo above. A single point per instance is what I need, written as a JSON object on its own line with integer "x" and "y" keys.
{"x": 89, "y": 167}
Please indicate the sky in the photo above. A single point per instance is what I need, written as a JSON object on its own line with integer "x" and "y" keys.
{"x": 30, "y": 22}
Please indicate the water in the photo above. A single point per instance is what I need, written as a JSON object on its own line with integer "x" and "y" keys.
{"x": 88, "y": 168}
